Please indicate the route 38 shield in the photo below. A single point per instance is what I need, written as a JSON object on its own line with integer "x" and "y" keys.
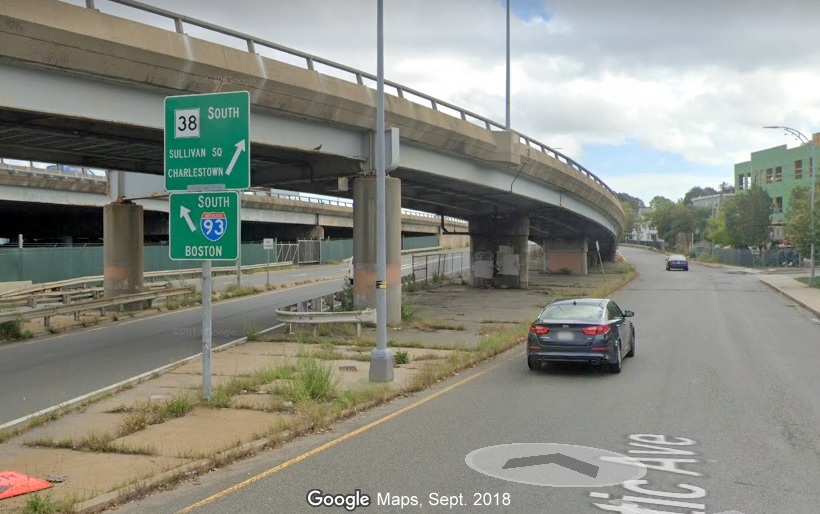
{"x": 213, "y": 225}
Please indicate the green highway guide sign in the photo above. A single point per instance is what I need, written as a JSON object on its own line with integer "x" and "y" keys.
{"x": 207, "y": 145}
{"x": 204, "y": 226}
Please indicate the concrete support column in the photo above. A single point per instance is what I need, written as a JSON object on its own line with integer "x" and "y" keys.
{"x": 364, "y": 245}
{"x": 499, "y": 252}
{"x": 122, "y": 249}
{"x": 316, "y": 232}
{"x": 567, "y": 254}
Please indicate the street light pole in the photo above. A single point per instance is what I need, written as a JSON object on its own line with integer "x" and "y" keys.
{"x": 507, "y": 124}
{"x": 381, "y": 358}
{"x": 812, "y": 166}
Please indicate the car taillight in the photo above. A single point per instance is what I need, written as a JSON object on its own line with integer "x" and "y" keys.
{"x": 596, "y": 330}
{"x": 539, "y": 329}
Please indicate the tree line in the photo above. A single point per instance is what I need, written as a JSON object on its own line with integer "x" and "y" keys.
{"x": 741, "y": 221}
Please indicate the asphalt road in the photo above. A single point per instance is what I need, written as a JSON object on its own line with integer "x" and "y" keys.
{"x": 38, "y": 374}
{"x": 720, "y": 403}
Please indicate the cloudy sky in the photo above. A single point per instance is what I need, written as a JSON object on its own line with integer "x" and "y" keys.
{"x": 653, "y": 96}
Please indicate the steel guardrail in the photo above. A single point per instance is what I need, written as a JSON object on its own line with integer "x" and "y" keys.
{"x": 311, "y": 61}
{"x": 47, "y": 312}
{"x": 322, "y": 317}
{"x": 97, "y": 279}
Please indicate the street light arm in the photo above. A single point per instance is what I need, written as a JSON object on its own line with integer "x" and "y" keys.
{"x": 794, "y": 132}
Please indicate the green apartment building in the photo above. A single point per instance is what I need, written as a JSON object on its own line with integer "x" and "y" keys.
{"x": 777, "y": 170}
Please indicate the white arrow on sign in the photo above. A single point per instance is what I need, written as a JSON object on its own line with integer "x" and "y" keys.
{"x": 185, "y": 213}
{"x": 240, "y": 147}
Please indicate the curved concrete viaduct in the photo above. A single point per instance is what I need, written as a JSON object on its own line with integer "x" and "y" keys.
{"x": 83, "y": 87}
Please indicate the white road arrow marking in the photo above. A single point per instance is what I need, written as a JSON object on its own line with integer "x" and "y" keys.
{"x": 240, "y": 147}
{"x": 185, "y": 213}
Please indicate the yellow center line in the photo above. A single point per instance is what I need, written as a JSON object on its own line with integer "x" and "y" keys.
{"x": 336, "y": 441}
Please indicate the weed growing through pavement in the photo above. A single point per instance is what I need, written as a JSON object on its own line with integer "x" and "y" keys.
{"x": 402, "y": 357}
{"x": 36, "y": 504}
{"x": 98, "y": 442}
{"x": 252, "y": 333}
{"x": 13, "y": 330}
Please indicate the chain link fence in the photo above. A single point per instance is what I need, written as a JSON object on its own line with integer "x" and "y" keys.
{"x": 431, "y": 267}
{"x": 772, "y": 258}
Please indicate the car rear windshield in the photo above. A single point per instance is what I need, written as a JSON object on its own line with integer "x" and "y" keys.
{"x": 569, "y": 311}
{"x": 677, "y": 258}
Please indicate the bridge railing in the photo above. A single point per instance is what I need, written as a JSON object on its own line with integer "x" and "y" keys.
{"x": 82, "y": 176}
{"x": 87, "y": 177}
{"x": 310, "y": 61}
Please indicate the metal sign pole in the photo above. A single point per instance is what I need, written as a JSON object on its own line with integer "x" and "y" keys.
{"x": 206, "y": 329}
{"x": 267, "y": 267}
{"x": 239, "y": 265}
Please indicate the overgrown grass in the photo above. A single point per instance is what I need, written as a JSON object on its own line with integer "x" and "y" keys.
{"x": 234, "y": 291}
{"x": 489, "y": 346}
{"x": 314, "y": 381}
{"x": 178, "y": 302}
{"x": 36, "y": 504}
{"x": 805, "y": 280}
{"x": 222, "y": 395}
{"x": 366, "y": 343}
{"x": 98, "y": 442}
{"x": 409, "y": 312}
{"x": 347, "y": 298}
{"x": 357, "y": 396}
{"x": 251, "y": 333}
{"x": 143, "y": 414}
{"x": 434, "y": 324}
{"x": 327, "y": 352}
{"x": 402, "y": 357}
{"x": 711, "y": 259}
{"x": 13, "y": 330}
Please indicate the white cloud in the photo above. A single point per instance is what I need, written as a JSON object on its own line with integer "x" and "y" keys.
{"x": 698, "y": 78}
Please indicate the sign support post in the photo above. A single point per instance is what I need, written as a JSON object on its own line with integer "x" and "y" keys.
{"x": 268, "y": 244}
{"x": 239, "y": 266}
{"x": 206, "y": 328}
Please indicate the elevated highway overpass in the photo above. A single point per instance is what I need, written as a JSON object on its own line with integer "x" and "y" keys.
{"x": 52, "y": 204}
{"x": 87, "y": 88}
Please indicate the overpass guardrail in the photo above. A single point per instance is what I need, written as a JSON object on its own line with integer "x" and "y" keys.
{"x": 311, "y": 61}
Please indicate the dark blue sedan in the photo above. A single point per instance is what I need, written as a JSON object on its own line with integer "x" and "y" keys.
{"x": 676, "y": 261}
{"x": 589, "y": 330}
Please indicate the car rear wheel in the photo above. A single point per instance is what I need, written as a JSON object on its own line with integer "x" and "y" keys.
{"x": 632, "y": 349}
{"x": 532, "y": 364}
{"x": 615, "y": 367}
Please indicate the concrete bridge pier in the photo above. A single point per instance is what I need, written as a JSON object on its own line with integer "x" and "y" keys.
{"x": 364, "y": 244}
{"x": 499, "y": 252}
{"x": 123, "y": 260}
{"x": 316, "y": 232}
{"x": 567, "y": 254}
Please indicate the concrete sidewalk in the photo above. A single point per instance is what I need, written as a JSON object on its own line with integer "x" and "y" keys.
{"x": 157, "y": 432}
{"x": 803, "y": 295}
{"x": 784, "y": 281}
